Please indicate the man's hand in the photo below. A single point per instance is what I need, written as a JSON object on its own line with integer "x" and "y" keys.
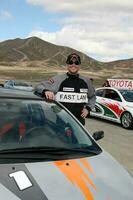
{"x": 49, "y": 95}
{"x": 84, "y": 113}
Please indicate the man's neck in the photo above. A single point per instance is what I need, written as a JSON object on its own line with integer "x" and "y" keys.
{"x": 72, "y": 74}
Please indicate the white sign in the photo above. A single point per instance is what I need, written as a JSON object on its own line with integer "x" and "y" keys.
{"x": 71, "y": 97}
{"x": 21, "y": 179}
{"x": 121, "y": 83}
{"x": 67, "y": 89}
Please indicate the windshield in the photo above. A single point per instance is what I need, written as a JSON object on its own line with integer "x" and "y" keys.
{"x": 127, "y": 95}
{"x": 28, "y": 124}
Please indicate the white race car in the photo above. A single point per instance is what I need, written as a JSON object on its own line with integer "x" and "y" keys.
{"x": 115, "y": 103}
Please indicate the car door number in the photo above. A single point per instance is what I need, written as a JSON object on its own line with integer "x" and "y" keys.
{"x": 21, "y": 179}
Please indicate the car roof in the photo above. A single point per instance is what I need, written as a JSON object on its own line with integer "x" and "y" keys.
{"x": 12, "y": 93}
{"x": 118, "y": 89}
{"x": 99, "y": 88}
{"x": 18, "y": 81}
{"x": 110, "y": 88}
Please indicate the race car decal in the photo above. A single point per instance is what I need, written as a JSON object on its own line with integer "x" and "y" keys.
{"x": 15, "y": 185}
{"x": 111, "y": 110}
{"x": 121, "y": 83}
{"x": 107, "y": 111}
{"x": 21, "y": 179}
{"x": 77, "y": 176}
{"x": 116, "y": 108}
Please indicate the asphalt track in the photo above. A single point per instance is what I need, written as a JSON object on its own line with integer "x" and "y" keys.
{"x": 117, "y": 140}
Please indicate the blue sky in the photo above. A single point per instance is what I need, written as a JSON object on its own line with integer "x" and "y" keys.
{"x": 18, "y": 19}
{"x": 103, "y": 29}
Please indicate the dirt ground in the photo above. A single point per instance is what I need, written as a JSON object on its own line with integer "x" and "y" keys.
{"x": 35, "y": 73}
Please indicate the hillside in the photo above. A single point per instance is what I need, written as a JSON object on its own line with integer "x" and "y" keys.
{"x": 35, "y": 49}
{"x": 32, "y": 49}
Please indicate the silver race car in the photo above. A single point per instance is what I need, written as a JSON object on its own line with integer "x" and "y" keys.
{"x": 18, "y": 85}
{"x": 46, "y": 154}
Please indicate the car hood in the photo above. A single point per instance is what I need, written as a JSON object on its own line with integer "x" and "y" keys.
{"x": 95, "y": 178}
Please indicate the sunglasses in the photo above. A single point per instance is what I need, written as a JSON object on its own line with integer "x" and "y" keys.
{"x": 71, "y": 62}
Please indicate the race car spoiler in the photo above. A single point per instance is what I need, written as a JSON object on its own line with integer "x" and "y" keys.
{"x": 121, "y": 83}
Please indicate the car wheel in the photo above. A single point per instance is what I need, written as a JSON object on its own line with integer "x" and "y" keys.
{"x": 127, "y": 120}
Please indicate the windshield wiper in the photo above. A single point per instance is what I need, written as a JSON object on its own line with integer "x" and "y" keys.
{"x": 49, "y": 150}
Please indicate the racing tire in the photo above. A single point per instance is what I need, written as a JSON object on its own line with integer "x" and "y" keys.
{"x": 127, "y": 120}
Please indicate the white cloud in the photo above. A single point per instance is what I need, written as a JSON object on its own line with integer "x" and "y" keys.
{"x": 102, "y": 28}
{"x": 82, "y": 6}
{"x": 103, "y": 45}
{"x": 4, "y": 15}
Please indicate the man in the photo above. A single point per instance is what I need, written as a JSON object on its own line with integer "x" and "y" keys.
{"x": 106, "y": 84}
{"x": 74, "y": 91}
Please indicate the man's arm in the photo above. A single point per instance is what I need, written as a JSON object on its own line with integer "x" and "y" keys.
{"x": 91, "y": 99}
{"x": 44, "y": 86}
{"x": 91, "y": 96}
{"x": 50, "y": 87}
{"x": 91, "y": 103}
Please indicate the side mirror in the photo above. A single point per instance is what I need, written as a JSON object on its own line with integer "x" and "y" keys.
{"x": 98, "y": 135}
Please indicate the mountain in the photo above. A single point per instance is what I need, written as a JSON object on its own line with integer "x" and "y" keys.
{"x": 34, "y": 49}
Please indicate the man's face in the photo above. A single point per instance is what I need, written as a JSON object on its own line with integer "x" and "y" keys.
{"x": 73, "y": 67}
